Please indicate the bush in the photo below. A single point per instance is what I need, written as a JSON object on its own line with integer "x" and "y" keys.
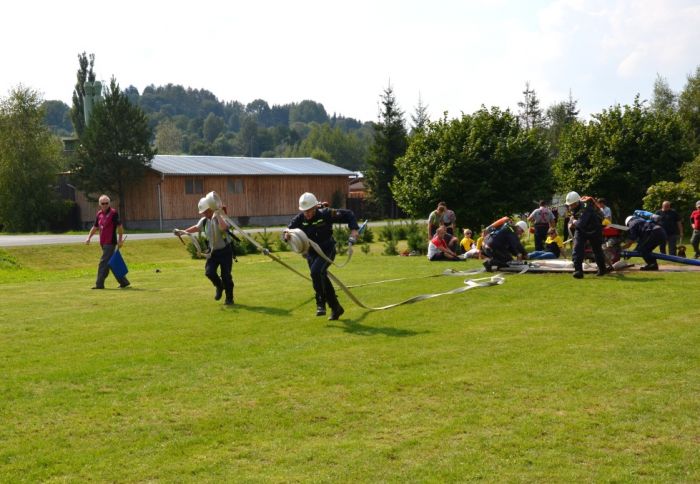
{"x": 416, "y": 243}
{"x": 386, "y": 232}
{"x": 367, "y": 235}
{"x": 391, "y": 247}
{"x": 193, "y": 250}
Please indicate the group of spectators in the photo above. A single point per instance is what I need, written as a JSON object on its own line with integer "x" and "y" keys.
{"x": 584, "y": 222}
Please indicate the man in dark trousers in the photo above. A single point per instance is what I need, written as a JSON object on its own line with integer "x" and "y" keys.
{"x": 108, "y": 224}
{"x": 648, "y": 236}
{"x": 586, "y": 223}
{"x": 672, "y": 225}
{"x": 542, "y": 219}
{"x": 317, "y": 222}
{"x": 216, "y": 230}
{"x": 500, "y": 246}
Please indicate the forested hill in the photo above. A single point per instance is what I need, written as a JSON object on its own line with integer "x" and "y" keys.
{"x": 195, "y": 121}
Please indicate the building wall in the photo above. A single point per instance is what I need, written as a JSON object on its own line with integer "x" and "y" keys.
{"x": 265, "y": 200}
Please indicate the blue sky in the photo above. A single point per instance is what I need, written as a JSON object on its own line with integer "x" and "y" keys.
{"x": 455, "y": 55}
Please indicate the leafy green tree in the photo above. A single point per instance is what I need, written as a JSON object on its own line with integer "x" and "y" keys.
{"x": 213, "y": 127}
{"x": 115, "y": 148}
{"x": 307, "y": 112}
{"x": 689, "y": 109}
{"x": 682, "y": 196}
{"x": 85, "y": 74}
{"x": 484, "y": 166}
{"x": 663, "y": 98}
{"x": 558, "y": 118}
{"x": 530, "y": 111}
{"x": 336, "y": 147}
{"x": 248, "y": 137}
{"x": 620, "y": 153}
{"x": 57, "y": 117}
{"x": 169, "y": 138}
{"x": 29, "y": 156}
{"x": 390, "y": 143}
{"x": 691, "y": 173}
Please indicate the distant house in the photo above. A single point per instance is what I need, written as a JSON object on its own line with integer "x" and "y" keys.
{"x": 256, "y": 191}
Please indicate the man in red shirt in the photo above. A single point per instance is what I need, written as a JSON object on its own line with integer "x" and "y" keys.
{"x": 108, "y": 224}
{"x": 437, "y": 247}
{"x": 695, "y": 223}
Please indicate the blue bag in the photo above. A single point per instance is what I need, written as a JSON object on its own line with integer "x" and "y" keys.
{"x": 117, "y": 264}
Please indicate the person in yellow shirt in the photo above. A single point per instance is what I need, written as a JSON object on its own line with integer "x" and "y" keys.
{"x": 467, "y": 243}
{"x": 553, "y": 244}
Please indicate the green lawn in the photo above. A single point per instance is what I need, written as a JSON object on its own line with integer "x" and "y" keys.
{"x": 544, "y": 378}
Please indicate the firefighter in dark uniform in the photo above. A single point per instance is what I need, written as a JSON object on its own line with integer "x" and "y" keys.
{"x": 587, "y": 226}
{"x": 501, "y": 245}
{"x": 317, "y": 222}
{"x": 648, "y": 236}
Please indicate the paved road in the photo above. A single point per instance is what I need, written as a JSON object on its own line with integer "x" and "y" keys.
{"x": 23, "y": 240}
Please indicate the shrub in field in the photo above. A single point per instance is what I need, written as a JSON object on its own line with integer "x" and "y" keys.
{"x": 391, "y": 247}
{"x": 386, "y": 232}
{"x": 367, "y": 236}
{"x": 281, "y": 245}
{"x": 416, "y": 243}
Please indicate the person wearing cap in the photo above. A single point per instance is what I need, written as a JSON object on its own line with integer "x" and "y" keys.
{"x": 220, "y": 255}
{"x": 648, "y": 235}
{"x": 695, "y": 223}
{"x": 111, "y": 236}
{"x": 500, "y": 246}
{"x": 316, "y": 221}
{"x": 586, "y": 223}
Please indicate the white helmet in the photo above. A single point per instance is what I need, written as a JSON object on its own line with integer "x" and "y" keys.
{"x": 522, "y": 225}
{"x": 306, "y": 201}
{"x": 629, "y": 219}
{"x": 572, "y": 197}
{"x": 203, "y": 205}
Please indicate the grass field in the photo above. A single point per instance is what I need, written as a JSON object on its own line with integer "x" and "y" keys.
{"x": 544, "y": 378}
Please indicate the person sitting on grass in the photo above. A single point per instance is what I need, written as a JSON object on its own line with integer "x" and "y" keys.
{"x": 553, "y": 245}
{"x": 468, "y": 246}
{"x": 438, "y": 248}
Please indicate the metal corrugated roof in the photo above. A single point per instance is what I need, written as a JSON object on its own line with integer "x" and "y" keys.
{"x": 231, "y": 165}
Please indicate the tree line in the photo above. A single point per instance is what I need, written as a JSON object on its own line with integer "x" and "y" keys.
{"x": 493, "y": 162}
{"x": 484, "y": 164}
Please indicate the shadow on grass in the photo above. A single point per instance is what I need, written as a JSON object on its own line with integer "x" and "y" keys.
{"x": 272, "y": 311}
{"x": 356, "y": 327}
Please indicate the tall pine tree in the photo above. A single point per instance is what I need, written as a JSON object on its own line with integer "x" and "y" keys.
{"x": 390, "y": 143}
{"x": 115, "y": 148}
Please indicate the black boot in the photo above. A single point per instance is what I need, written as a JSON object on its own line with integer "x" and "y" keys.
{"x": 320, "y": 306}
{"x": 336, "y": 311}
{"x": 219, "y": 293}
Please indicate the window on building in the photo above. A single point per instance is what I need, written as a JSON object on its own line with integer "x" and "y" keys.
{"x": 235, "y": 185}
{"x": 193, "y": 185}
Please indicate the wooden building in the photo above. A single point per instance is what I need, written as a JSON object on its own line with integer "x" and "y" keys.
{"x": 256, "y": 191}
